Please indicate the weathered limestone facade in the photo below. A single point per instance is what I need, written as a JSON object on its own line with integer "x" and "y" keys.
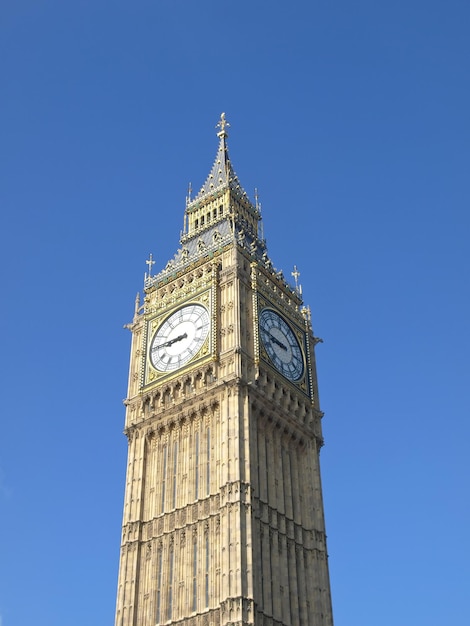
{"x": 223, "y": 514}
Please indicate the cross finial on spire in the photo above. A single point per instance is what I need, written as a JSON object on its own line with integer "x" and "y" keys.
{"x": 150, "y": 262}
{"x": 222, "y": 124}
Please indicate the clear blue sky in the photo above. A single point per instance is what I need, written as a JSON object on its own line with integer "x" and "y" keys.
{"x": 352, "y": 120}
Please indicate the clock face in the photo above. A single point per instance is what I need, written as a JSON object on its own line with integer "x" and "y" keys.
{"x": 179, "y": 338}
{"x": 281, "y": 344}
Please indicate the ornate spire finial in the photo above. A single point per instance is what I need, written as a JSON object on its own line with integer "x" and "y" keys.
{"x": 256, "y": 198}
{"x": 296, "y": 275}
{"x": 150, "y": 262}
{"x": 222, "y": 124}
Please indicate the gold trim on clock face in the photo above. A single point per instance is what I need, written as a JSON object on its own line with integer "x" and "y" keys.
{"x": 179, "y": 338}
{"x": 281, "y": 345}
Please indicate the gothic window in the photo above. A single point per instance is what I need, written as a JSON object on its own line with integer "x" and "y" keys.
{"x": 175, "y": 473}
{"x": 196, "y": 464}
{"x": 187, "y": 387}
{"x": 207, "y": 570}
{"x": 209, "y": 377}
{"x": 159, "y": 585}
{"x": 165, "y": 460}
{"x": 208, "y": 461}
{"x": 170, "y": 583}
{"x": 262, "y": 552}
{"x": 195, "y": 574}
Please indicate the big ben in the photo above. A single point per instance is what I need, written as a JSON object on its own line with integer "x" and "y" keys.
{"x": 223, "y": 518}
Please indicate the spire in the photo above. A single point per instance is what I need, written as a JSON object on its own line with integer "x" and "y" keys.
{"x": 222, "y": 174}
{"x": 221, "y": 215}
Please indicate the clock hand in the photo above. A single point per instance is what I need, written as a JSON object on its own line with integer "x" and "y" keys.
{"x": 170, "y": 342}
{"x": 179, "y": 338}
{"x": 277, "y": 342}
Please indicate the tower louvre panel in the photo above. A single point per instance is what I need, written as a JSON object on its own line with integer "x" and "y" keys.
{"x": 223, "y": 515}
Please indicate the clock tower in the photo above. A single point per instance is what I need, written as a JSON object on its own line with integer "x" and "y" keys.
{"x": 223, "y": 514}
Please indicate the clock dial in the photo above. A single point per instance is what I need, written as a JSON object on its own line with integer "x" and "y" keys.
{"x": 281, "y": 344}
{"x": 179, "y": 338}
